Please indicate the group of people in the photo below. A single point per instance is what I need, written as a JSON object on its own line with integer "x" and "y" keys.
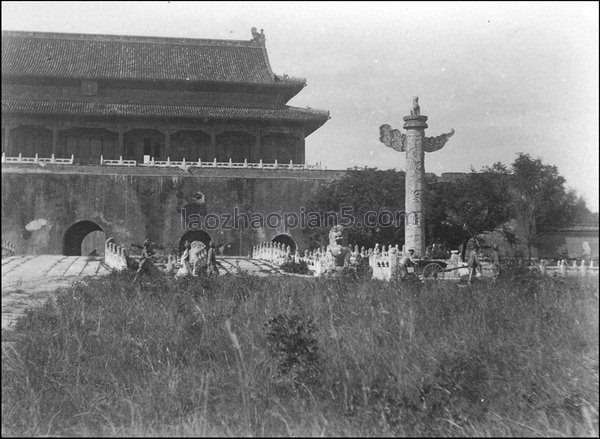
{"x": 199, "y": 260}
{"x": 192, "y": 263}
{"x": 475, "y": 265}
{"x": 473, "y": 262}
{"x": 195, "y": 261}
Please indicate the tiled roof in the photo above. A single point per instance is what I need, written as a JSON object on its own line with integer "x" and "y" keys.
{"x": 53, "y": 55}
{"x": 315, "y": 118}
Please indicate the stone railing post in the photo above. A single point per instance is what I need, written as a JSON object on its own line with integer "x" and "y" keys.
{"x": 115, "y": 256}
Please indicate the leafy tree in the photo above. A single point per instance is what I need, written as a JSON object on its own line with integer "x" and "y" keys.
{"x": 541, "y": 199}
{"x": 461, "y": 209}
{"x": 457, "y": 210}
{"x": 360, "y": 191}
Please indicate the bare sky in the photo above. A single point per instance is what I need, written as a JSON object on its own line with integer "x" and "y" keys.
{"x": 508, "y": 77}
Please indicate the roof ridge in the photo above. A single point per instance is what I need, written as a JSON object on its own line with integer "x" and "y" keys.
{"x": 128, "y": 38}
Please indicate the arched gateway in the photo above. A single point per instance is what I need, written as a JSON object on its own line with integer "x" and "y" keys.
{"x": 194, "y": 235}
{"x": 286, "y": 240}
{"x": 75, "y": 235}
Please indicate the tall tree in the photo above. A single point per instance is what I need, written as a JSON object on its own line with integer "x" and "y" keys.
{"x": 463, "y": 208}
{"x": 456, "y": 210}
{"x": 541, "y": 199}
{"x": 356, "y": 201}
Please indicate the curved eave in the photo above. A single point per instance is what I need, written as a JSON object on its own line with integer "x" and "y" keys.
{"x": 310, "y": 119}
{"x": 287, "y": 89}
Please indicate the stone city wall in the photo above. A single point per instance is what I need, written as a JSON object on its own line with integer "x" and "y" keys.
{"x": 42, "y": 208}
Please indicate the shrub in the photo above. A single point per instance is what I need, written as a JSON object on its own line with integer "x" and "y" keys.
{"x": 295, "y": 267}
{"x": 292, "y": 342}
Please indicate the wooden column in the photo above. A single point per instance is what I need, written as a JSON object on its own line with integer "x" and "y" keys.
{"x": 167, "y": 152}
{"x": 302, "y": 151}
{"x": 212, "y": 152}
{"x": 120, "y": 150}
{"x": 257, "y": 148}
{"x": 55, "y": 141}
{"x": 8, "y": 147}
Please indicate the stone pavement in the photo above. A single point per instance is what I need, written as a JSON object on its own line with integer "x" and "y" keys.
{"x": 232, "y": 264}
{"x": 29, "y": 280}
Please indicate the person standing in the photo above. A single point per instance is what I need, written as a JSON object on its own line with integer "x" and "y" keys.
{"x": 212, "y": 269}
{"x": 473, "y": 263}
{"x": 406, "y": 261}
{"x": 144, "y": 264}
{"x": 495, "y": 261}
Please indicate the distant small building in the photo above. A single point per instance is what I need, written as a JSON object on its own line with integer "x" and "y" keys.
{"x": 452, "y": 176}
{"x": 149, "y": 97}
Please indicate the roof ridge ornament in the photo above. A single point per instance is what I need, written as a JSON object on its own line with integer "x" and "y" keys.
{"x": 258, "y": 38}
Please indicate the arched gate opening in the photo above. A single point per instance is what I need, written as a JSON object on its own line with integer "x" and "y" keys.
{"x": 73, "y": 242}
{"x": 286, "y": 240}
{"x": 194, "y": 235}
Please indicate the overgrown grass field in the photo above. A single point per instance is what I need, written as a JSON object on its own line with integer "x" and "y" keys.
{"x": 281, "y": 356}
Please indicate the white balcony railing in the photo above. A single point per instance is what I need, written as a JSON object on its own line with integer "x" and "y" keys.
{"x": 42, "y": 161}
{"x": 211, "y": 164}
{"x": 38, "y": 160}
{"x": 119, "y": 162}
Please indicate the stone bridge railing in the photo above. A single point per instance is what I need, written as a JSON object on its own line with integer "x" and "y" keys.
{"x": 273, "y": 252}
{"x": 38, "y": 160}
{"x": 8, "y": 248}
{"x": 115, "y": 256}
{"x": 384, "y": 261}
{"x": 319, "y": 261}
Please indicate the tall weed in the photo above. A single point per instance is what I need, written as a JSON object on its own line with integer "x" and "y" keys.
{"x": 336, "y": 356}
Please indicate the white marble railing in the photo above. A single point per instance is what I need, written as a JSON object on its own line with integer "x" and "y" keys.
{"x": 211, "y": 164}
{"x": 384, "y": 262}
{"x": 166, "y": 163}
{"x": 273, "y": 252}
{"x": 8, "y": 248}
{"x": 115, "y": 256}
{"x": 119, "y": 162}
{"x": 562, "y": 268}
{"x": 319, "y": 261}
{"x": 38, "y": 160}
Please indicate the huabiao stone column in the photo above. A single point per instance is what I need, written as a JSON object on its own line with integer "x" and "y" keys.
{"x": 415, "y": 144}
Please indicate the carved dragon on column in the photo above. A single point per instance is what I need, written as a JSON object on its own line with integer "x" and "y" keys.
{"x": 393, "y": 138}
